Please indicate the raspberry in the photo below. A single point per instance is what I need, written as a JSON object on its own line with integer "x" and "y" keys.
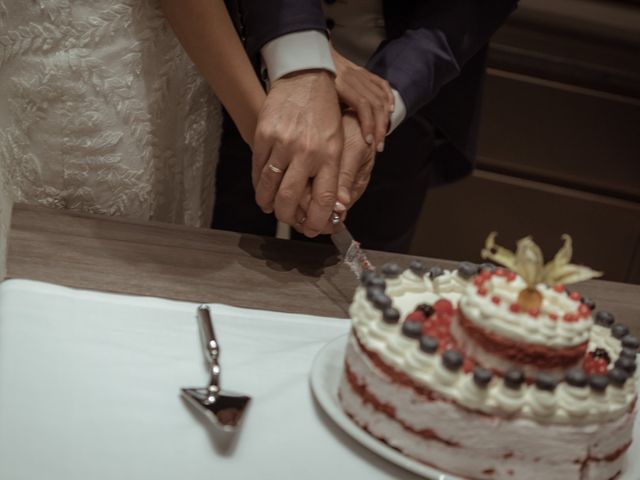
{"x": 553, "y": 316}
{"x": 495, "y": 299}
{"x": 485, "y": 274}
{"x": 514, "y": 307}
{"x": 511, "y": 276}
{"x": 482, "y": 291}
{"x": 534, "y": 312}
{"x": 601, "y": 353}
{"x": 575, "y": 296}
{"x": 559, "y": 288}
{"x": 417, "y": 316}
{"x": 594, "y": 366}
{"x": 501, "y": 272}
{"x": 584, "y": 311}
{"x": 570, "y": 317}
{"x": 443, "y": 306}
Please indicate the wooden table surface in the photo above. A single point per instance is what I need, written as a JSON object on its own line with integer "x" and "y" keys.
{"x": 209, "y": 266}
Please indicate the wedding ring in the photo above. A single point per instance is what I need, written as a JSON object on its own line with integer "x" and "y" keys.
{"x": 335, "y": 218}
{"x": 274, "y": 169}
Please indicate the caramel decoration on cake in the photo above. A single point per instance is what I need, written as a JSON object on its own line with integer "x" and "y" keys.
{"x": 528, "y": 262}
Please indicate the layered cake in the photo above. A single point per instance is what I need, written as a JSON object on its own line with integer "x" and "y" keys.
{"x": 492, "y": 372}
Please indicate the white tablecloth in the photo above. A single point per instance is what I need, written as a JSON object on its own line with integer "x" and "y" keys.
{"x": 89, "y": 389}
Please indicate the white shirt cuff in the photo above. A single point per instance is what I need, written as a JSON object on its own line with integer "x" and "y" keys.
{"x": 297, "y": 51}
{"x": 399, "y": 112}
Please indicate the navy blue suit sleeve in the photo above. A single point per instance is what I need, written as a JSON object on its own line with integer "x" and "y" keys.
{"x": 264, "y": 20}
{"x": 442, "y": 36}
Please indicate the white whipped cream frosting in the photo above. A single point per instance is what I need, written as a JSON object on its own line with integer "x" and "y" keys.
{"x": 521, "y": 326}
{"x": 567, "y": 404}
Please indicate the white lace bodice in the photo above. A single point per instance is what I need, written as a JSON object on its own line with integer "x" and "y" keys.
{"x": 102, "y": 111}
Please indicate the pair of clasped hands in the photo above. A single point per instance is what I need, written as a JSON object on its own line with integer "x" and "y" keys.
{"x": 315, "y": 144}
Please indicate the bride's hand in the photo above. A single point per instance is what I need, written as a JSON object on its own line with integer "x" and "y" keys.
{"x": 367, "y": 94}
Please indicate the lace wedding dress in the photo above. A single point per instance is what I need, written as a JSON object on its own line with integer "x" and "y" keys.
{"x": 102, "y": 111}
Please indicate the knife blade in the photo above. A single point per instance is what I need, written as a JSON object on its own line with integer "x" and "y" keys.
{"x": 351, "y": 253}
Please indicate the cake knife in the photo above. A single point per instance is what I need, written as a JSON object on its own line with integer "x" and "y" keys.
{"x": 352, "y": 254}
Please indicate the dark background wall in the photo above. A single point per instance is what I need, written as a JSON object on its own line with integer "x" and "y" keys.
{"x": 559, "y": 146}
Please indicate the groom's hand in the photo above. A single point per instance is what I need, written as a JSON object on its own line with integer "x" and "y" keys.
{"x": 356, "y": 163}
{"x": 299, "y": 137}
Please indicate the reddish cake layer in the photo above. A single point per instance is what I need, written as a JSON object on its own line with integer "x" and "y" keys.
{"x": 525, "y": 354}
{"x": 367, "y": 398}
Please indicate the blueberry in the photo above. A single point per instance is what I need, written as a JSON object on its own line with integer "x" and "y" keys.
{"x": 599, "y": 383}
{"x": 605, "y": 319}
{"x": 589, "y": 303}
{"x": 418, "y": 267}
{"x": 629, "y": 341}
{"x": 546, "y": 382}
{"x": 513, "y": 378}
{"x": 488, "y": 266}
{"x": 429, "y": 344}
{"x": 576, "y": 377}
{"x": 374, "y": 291}
{"x": 619, "y": 331}
{"x": 627, "y": 364}
{"x": 482, "y": 376}
{"x": 618, "y": 376}
{"x": 629, "y": 353}
{"x": 467, "y": 269}
{"x": 374, "y": 280}
{"x": 391, "y": 270}
{"x": 452, "y": 360}
{"x": 412, "y": 329}
{"x": 435, "y": 272}
{"x": 426, "y": 309}
{"x": 390, "y": 315}
{"x": 366, "y": 276}
{"x": 380, "y": 300}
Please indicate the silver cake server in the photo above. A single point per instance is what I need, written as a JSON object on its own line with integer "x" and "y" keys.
{"x": 224, "y": 409}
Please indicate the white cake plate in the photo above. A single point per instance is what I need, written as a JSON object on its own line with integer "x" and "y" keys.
{"x": 326, "y": 372}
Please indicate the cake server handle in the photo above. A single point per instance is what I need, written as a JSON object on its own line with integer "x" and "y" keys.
{"x": 210, "y": 347}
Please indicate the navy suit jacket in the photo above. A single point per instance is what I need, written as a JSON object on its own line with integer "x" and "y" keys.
{"x": 434, "y": 55}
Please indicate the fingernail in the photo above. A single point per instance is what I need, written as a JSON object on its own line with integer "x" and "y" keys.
{"x": 369, "y": 139}
{"x": 339, "y": 207}
{"x": 392, "y": 107}
{"x": 380, "y": 147}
